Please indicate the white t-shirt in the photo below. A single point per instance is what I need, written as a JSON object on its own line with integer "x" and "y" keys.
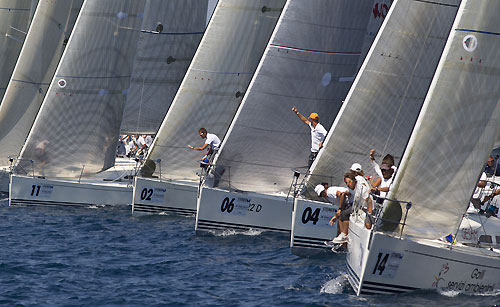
{"x": 477, "y": 191}
{"x": 141, "y": 141}
{"x": 149, "y": 141}
{"x": 385, "y": 183}
{"x": 317, "y": 136}
{"x": 213, "y": 141}
{"x": 362, "y": 192}
{"x": 331, "y": 194}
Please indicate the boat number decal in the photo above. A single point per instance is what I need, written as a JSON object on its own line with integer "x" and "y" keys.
{"x": 239, "y": 206}
{"x": 387, "y": 264}
{"x": 43, "y": 190}
{"x": 150, "y": 194}
{"x": 469, "y": 42}
{"x": 314, "y": 216}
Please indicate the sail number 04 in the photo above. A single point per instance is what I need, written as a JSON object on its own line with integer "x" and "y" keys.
{"x": 228, "y": 206}
{"x": 309, "y": 215}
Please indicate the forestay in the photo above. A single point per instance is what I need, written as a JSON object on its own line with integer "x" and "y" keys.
{"x": 215, "y": 83}
{"x": 14, "y": 23}
{"x": 79, "y": 122}
{"x": 171, "y": 32}
{"x": 310, "y": 63}
{"x": 51, "y": 27}
{"x": 384, "y": 102}
{"x": 458, "y": 125}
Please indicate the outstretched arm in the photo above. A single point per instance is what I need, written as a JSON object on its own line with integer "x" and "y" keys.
{"x": 198, "y": 148}
{"x": 302, "y": 117}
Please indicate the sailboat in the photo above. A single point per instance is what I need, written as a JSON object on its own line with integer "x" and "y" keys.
{"x": 14, "y": 23}
{"x": 75, "y": 133}
{"x": 209, "y": 97}
{"x": 380, "y": 110}
{"x": 413, "y": 244}
{"x": 51, "y": 27}
{"x": 310, "y": 62}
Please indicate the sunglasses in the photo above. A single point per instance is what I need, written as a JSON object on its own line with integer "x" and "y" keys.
{"x": 385, "y": 170}
{"x": 347, "y": 181}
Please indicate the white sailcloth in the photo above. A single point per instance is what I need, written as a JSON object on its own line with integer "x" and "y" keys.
{"x": 383, "y": 104}
{"x": 51, "y": 26}
{"x": 215, "y": 83}
{"x": 162, "y": 60}
{"x": 457, "y": 128}
{"x": 309, "y": 63}
{"x": 79, "y": 122}
{"x": 14, "y": 23}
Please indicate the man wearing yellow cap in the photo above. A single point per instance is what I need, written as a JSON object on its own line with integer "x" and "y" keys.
{"x": 318, "y": 133}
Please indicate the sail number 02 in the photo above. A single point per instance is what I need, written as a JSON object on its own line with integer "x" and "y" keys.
{"x": 146, "y": 194}
{"x": 309, "y": 215}
{"x": 228, "y": 206}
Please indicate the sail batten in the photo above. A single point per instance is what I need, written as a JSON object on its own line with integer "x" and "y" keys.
{"x": 457, "y": 127}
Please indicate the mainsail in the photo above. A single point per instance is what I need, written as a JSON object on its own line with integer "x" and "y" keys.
{"x": 14, "y": 22}
{"x": 383, "y": 104}
{"x": 310, "y": 63}
{"x": 171, "y": 32}
{"x": 79, "y": 122}
{"x": 42, "y": 50}
{"x": 215, "y": 83}
{"x": 457, "y": 127}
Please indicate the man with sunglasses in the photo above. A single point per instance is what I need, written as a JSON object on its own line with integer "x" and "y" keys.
{"x": 211, "y": 145}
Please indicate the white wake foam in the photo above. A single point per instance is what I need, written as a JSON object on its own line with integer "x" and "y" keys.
{"x": 336, "y": 285}
{"x": 231, "y": 232}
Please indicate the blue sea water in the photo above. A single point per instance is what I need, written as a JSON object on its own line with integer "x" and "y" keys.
{"x": 106, "y": 256}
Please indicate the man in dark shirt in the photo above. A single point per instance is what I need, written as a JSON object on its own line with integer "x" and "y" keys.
{"x": 492, "y": 167}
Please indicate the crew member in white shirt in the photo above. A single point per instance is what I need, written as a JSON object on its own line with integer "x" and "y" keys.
{"x": 212, "y": 143}
{"x": 318, "y": 133}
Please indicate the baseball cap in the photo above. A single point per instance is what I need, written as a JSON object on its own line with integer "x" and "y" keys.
{"x": 318, "y": 189}
{"x": 356, "y": 167}
{"x": 314, "y": 116}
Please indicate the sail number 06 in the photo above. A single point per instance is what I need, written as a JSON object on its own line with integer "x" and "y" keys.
{"x": 228, "y": 206}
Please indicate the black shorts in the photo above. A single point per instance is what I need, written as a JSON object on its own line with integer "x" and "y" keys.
{"x": 345, "y": 214}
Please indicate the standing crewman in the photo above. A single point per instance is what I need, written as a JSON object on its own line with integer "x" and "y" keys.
{"x": 318, "y": 133}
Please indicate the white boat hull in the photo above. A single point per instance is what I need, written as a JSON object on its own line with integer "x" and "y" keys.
{"x": 153, "y": 196}
{"x": 310, "y": 228}
{"x": 29, "y": 191}
{"x": 380, "y": 264}
{"x": 219, "y": 210}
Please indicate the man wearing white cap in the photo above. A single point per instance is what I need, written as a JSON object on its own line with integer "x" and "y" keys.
{"x": 333, "y": 194}
{"x": 318, "y": 133}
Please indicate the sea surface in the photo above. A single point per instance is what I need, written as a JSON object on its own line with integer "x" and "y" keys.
{"x": 105, "y": 256}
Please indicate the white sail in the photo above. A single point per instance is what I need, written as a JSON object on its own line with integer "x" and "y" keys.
{"x": 215, "y": 83}
{"x": 457, "y": 127}
{"x": 382, "y": 106}
{"x": 310, "y": 63}
{"x": 162, "y": 60}
{"x": 14, "y": 22}
{"x": 78, "y": 124}
{"x": 42, "y": 50}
